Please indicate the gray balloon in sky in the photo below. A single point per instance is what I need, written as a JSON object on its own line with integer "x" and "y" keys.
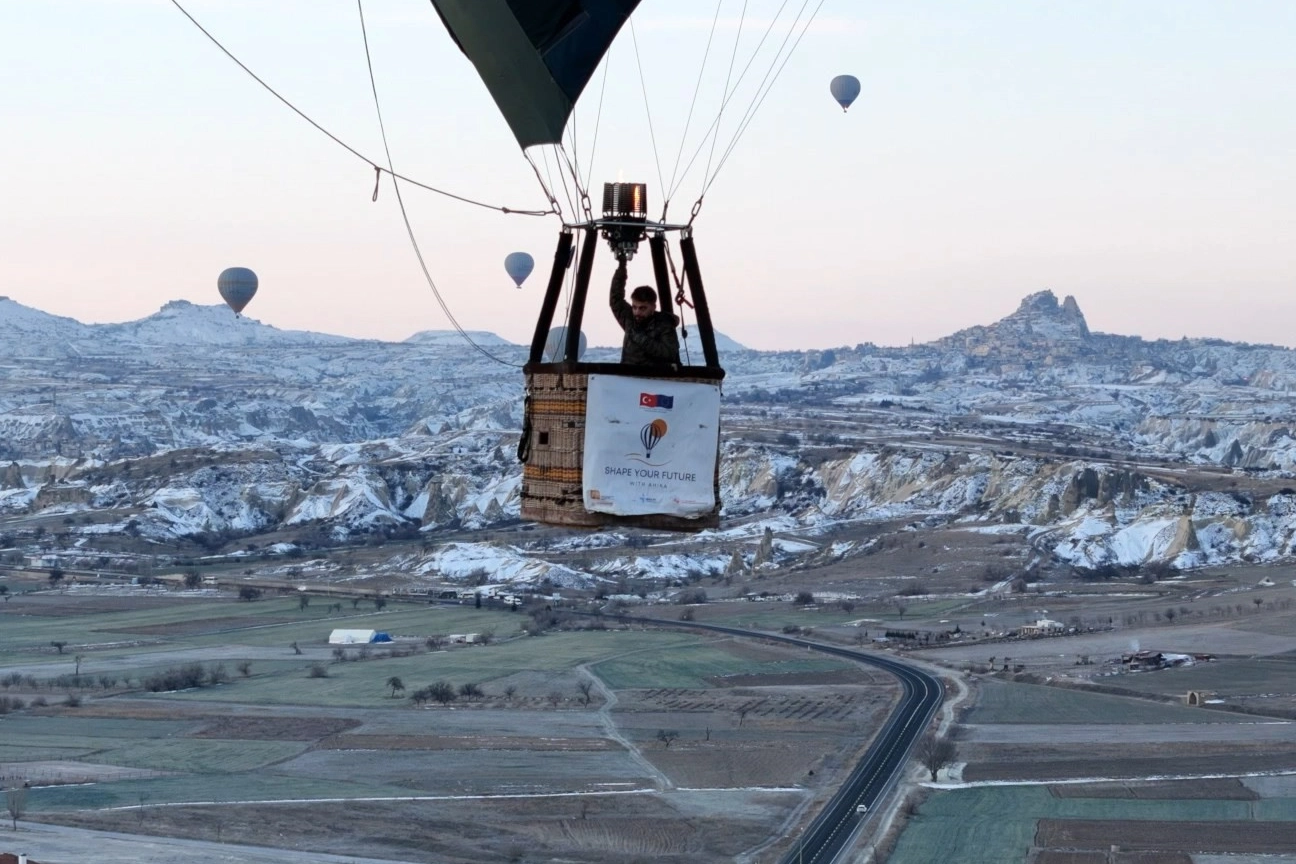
{"x": 237, "y": 285}
{"x": 556, "y": 344}
{"x": 845, "y": 88}
{"x": 519, "y": 265}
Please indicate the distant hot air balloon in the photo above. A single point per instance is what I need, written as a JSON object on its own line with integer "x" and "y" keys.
{"x": 556, "y": 345}
{"x": 238, "y": 285}
{"x": 845, "y": 88}
{"x": 651, "y": 433}
{"x": 519, "y": 265}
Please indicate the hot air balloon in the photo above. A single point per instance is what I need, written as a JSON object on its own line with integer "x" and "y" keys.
{"x": 237, "y": 285}
{"x": 579, "y": 418}
{"x": 555, "y": 347}
{"x": 651, "y": 433}
{"x": 845, "y": 89}
{"x": 518, "y": 265}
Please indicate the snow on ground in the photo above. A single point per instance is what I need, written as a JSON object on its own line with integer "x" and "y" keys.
{"x": 503, "y": 564}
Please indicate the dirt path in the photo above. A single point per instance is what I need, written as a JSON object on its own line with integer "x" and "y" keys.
{"x": 610, "y": 730}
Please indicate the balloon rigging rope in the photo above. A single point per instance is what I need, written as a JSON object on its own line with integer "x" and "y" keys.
{"x": 377, "y": 168}
{"x": 409, "y": 229}
{"x": 679, "y": 154}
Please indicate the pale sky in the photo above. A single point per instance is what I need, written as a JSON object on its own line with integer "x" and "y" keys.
{"x": 1138, "y": 154}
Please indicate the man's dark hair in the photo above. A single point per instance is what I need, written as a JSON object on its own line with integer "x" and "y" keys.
{"x": 644, "y": 294}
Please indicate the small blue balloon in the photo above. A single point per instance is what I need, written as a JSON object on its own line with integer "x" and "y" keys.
{"x": 845, "y": 89}
{"x": 519, "y": 265}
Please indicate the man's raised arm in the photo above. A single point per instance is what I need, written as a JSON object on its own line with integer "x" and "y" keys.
{"x": 617, "y": 300}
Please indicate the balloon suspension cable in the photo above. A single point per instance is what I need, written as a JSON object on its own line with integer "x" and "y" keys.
{"x": 713, "y": 131}
{"x": 759, "y": 99}
{"x": 598, "y": 120}
{"x": 573, "y": 198}
{"x": 409, "y": 228}
{"x": 514, "y": 211}
{"x": 697, "y": 87}
{"x": 553, "y": 202}
{"x": 573, "y": 165}
{"x": 581, "y": 190}
{"x": 643, "y": 85}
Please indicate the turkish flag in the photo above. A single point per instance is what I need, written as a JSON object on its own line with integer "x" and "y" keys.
{"x": 647, "y": 400}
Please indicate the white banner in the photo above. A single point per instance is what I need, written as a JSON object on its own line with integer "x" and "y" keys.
{"x": 650, "y": 446}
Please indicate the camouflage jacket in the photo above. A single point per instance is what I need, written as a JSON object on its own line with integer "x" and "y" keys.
{"x": 652, "y": 342}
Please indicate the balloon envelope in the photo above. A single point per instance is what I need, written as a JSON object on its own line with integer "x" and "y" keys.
{"x": 845, "y": 88}
{"x": 535, "y": 57}
{"x": 237, "y": 285}
{"x": 519, "y": 265}
{"x": 556, "y": 346}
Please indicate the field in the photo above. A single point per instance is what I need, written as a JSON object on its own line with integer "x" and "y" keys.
{"x": 991, "y": 825}
{"x": 604, "y": 745}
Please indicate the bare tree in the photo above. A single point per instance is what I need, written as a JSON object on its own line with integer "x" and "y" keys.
{"x": 443, "y": 692}
{"x": 666, "y": 736}
{"x": 59, "y": 645}
{"x": 396, "y": 685}
{"x": 936, "y": 752}
{"x": 554, "y": 698}
{"x": 16, "y": 801}
{"x": 586, "y": 688}
{"x": 742, "y": 714}
{"x": 510, "y": 691}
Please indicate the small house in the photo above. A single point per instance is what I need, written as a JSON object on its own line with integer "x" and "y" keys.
{"x": 357, "y": 637}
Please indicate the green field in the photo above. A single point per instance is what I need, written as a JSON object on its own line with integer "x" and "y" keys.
{"x": 203, "y": 622}
{"x": 201, "y": 756}
{"x": 774, "y": 615}
{"x": 363, "y": 683}
{"x": 1007, "y": 702}
{"x": 198, "y": 788}
{"x": 128, "y": 727}
{"x": 689, "y": 667}
{"x": 1225, "y": 677}
{"x": 996, "y": 825}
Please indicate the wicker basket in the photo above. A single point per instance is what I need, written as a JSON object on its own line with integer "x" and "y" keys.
{"x": 553, "y": 448}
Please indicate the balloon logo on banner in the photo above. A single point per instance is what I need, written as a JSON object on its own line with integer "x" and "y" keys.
{"x": 651, "y": 433}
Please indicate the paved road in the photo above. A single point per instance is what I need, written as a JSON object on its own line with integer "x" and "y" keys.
{"x": 830, "y": 832}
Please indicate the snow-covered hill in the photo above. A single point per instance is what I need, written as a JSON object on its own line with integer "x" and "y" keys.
{"x": 1108, "y": 450}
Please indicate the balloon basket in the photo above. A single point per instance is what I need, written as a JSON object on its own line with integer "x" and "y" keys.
{"x": 553, "y": 448}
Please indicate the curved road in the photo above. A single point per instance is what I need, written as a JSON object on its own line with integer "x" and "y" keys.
{"x": 830, "y": 832}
